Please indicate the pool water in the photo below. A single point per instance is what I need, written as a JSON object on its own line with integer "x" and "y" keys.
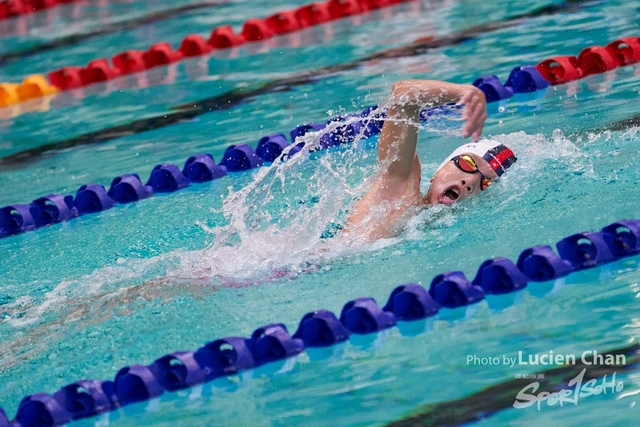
{"x": 128, "y": 285}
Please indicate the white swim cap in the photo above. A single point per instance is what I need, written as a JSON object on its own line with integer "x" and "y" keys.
{"x": 499, "y": 156}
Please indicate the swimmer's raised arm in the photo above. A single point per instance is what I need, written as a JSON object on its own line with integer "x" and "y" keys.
{"x": 397, "y": 187}
{"x": 399, "y": 136}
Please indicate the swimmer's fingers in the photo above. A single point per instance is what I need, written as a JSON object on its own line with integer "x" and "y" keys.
{"x": 475, "y": 116}
{"x": 476, "y": 123}
{"x": 475, "y": 104}
{"x": 474, "y": 112}
{"x": 466, "y": 99}
{"x": 477, "y": 133}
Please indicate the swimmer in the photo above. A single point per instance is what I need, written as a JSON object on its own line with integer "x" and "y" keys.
{"x": 469, "y": 170}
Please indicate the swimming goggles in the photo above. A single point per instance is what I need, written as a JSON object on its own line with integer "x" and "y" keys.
{"x": 466, "y": 164}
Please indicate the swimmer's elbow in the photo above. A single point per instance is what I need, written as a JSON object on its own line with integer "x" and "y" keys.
{"x": 402, "y": 87}
{"x": 412, "y": 87}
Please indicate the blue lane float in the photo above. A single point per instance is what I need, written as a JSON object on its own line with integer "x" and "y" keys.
{"x": 540, "y": 264}
{"x": 39, "y": 410}
{"x": 92, "y": 198}
{"x": 4, "y": 421}
{"x": 270, "y": 343}
{"x": 128, "y": 188}
{"x": 51, "y": 209}
{"x": 343, "y": 134}
{"x": 623, "y": 237}
{"x": 526, "y": 79}
{"x": 271, "y": 146}
{"x": 203, "y": 168}
{"x": 16, "y": 219}
{"x": 364, "y": 315}
{"x": 584, "y": 250}
{"x": 499, "y": 276}
{"x": 493, "y": 88}
{"x": 452, "y": 289}
{"x": 86, "y": 398}
{"x": 135, "y": 383}
{"x": 225, "y": 356}
{"x": 321, "y": 329}
{"x": 411, "y": 302}
{"x": 240, "y": 157}
{"x": 177, "y": 371}
{"x": 303, "y": 129}
{"x": 167, "y": 178}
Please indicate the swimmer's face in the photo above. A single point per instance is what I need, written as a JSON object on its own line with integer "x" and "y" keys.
{"x": 451, "y": 184}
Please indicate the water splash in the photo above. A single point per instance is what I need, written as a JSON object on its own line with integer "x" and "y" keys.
{"x": 280, "y": 222}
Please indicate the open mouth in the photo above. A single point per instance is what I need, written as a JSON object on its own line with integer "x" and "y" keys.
{"x": 449, "y": 196}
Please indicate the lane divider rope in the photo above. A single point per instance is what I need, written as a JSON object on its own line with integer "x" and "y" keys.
{"x": 223, "y": 37}
{"x": 100, "y": 28}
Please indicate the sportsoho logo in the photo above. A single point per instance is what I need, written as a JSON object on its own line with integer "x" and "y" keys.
{"x": 575, "y": 389}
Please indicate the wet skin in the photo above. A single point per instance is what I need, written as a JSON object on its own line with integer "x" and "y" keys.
{"x": 396, "y": 187}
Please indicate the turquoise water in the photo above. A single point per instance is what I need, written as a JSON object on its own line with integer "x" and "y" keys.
{"x": 79, "y": 300}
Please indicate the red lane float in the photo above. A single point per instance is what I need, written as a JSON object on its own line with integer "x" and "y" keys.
{"x": 283, "y": 22}
{"x": 128, "y": 62}
{"x": 66, "y": 78}
{"x": 98, "y": 70}
{"x": 560, "y": 69}
{"x": 194, "y": 45}
{"x": 224, "y": 37}
{"x": 596, "y": 59}
{"x": 375, "y": 4}
{"x": 625, "y": 50}
{"x": 341, "y": 8}
{"x": 160, "y": 54}
{"x": 256, "y": 29}
{"x": 12, "y": 8}
{"x": 42, "y": 4}
{"x": 313, "y": 14}
{"x": 592, "y": 60}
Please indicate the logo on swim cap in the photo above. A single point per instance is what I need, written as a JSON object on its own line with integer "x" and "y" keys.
{"x": 499, "y": 156}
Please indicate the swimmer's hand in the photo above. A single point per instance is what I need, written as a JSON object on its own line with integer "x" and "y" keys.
{"x": 474, "y": 112}
{"x": 409, "y": 96}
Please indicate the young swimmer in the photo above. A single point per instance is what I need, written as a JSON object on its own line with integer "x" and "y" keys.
{"x": 470, "y": 169}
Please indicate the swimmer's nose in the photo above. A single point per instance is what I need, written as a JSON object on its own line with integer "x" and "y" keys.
{"x": 468, "y": 188}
